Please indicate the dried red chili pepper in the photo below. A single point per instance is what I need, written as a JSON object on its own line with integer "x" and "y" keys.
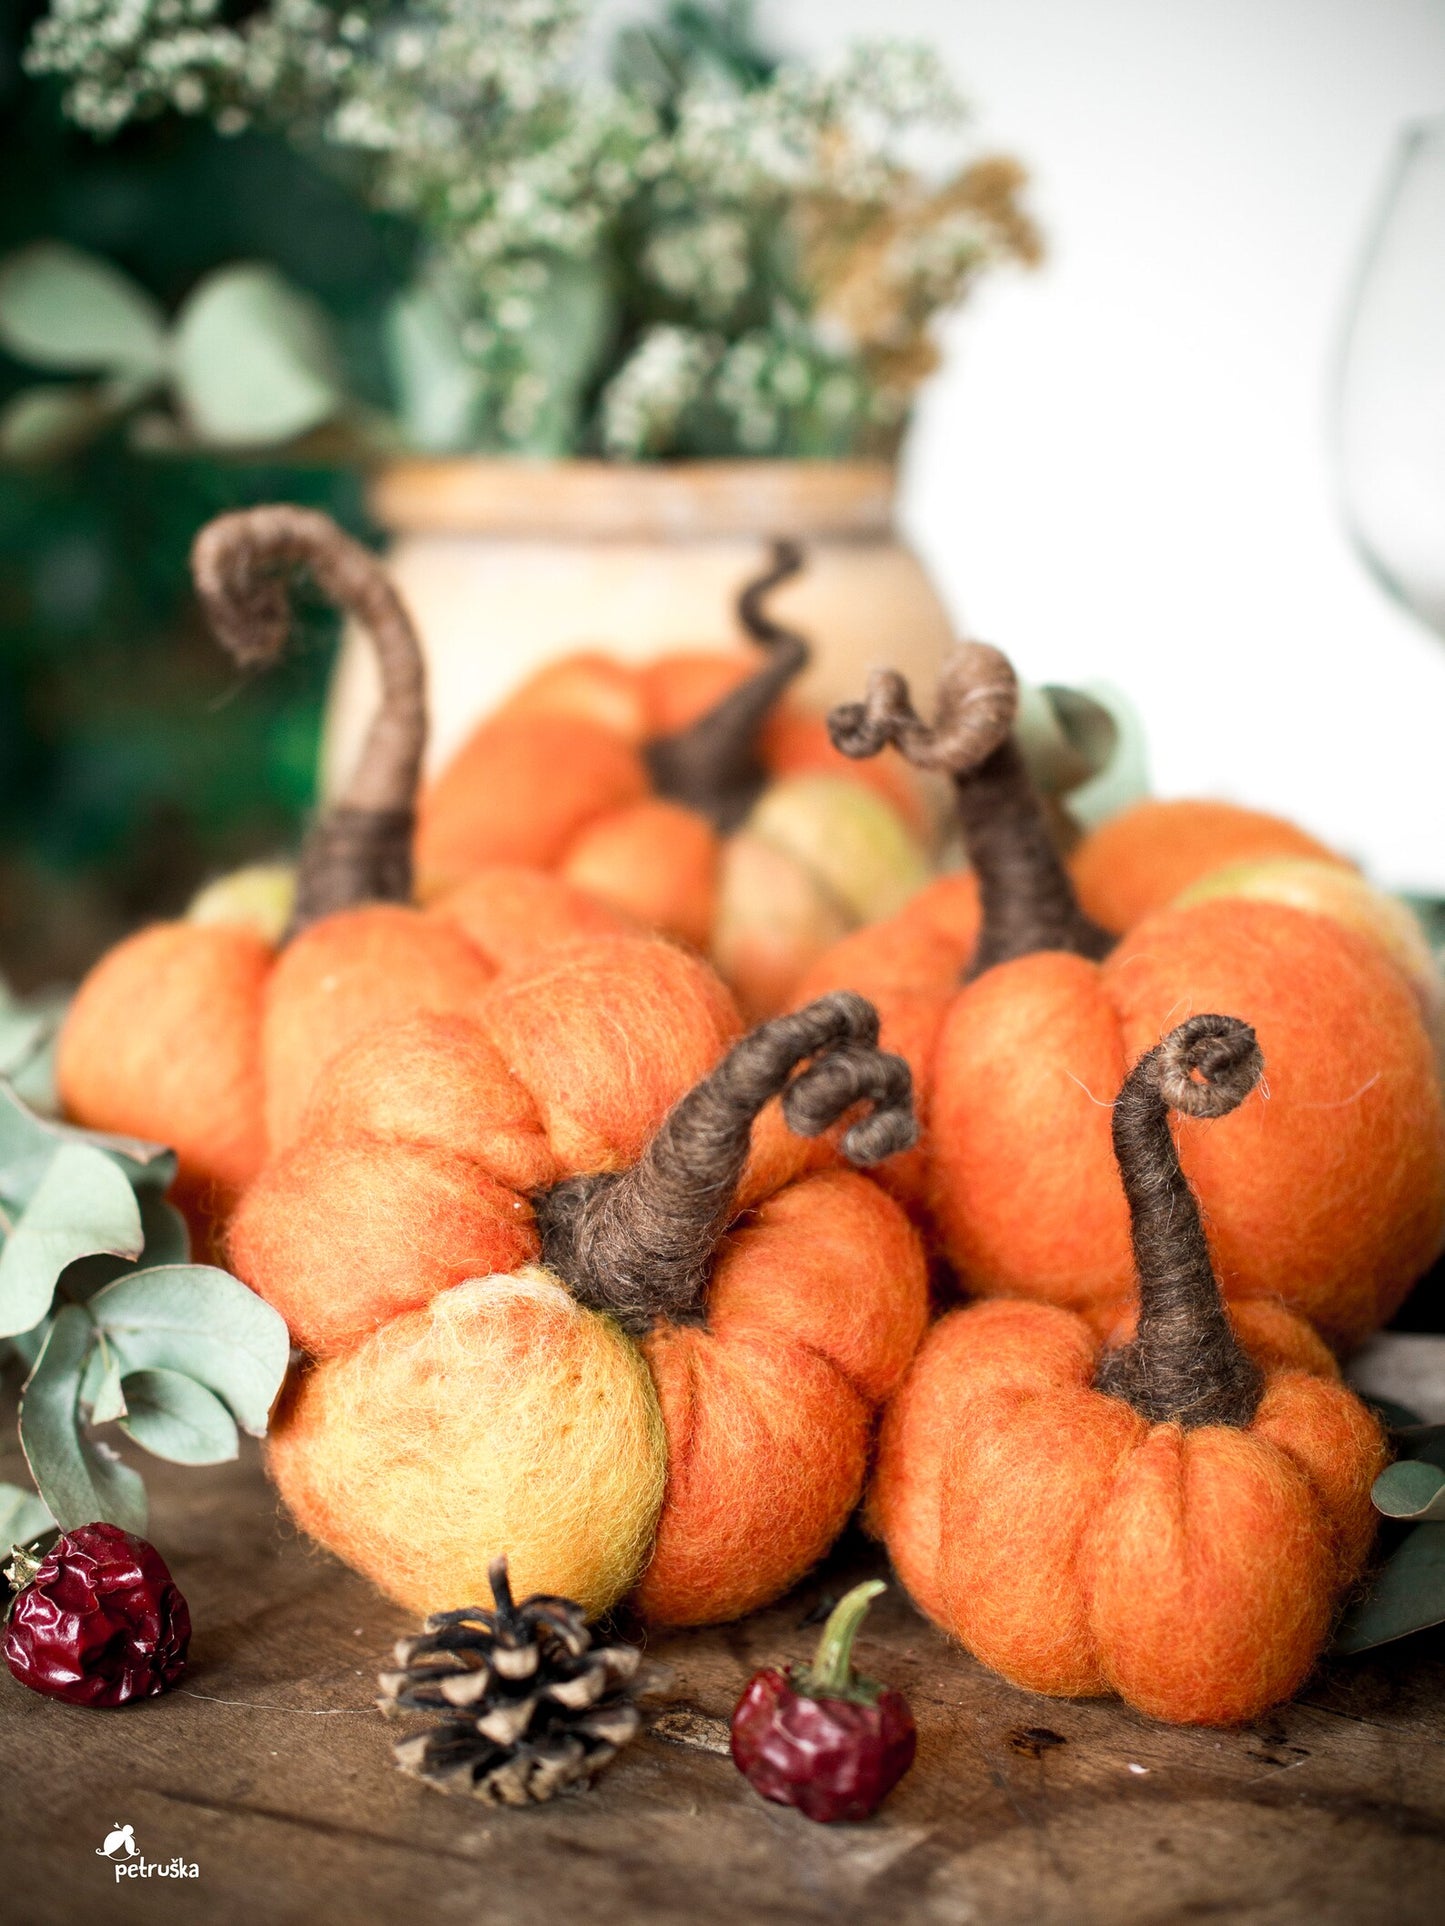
{"x": 823, "y": 1739}
{"x": 98, "y": 1621}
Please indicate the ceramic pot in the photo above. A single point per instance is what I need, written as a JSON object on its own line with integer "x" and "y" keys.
{"x": 506, "y": 564}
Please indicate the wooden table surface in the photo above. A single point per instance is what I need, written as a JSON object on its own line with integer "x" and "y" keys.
{"x": 269, "y": 1771}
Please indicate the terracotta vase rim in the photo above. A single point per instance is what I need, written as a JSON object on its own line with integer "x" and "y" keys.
{"x": 511, "y": 498}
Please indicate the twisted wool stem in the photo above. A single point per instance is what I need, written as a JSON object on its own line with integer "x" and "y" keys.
{"x": 639, "y": 1243}
{"x": 1184, "y": 1364}
{"x": 713, "y": 765}
{"x": 1027, "y": 900}
{"x": 360, "y": 849}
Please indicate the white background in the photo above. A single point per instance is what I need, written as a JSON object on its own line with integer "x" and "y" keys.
{"x": 1123, "y": 470}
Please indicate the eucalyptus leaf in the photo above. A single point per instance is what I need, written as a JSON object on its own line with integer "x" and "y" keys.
{"x": 1407, "y": 1595}
{"x": 81, "y": 1481}
{"x": 101, "y": 1391}
{"x": 253, "y": 361}
{"x": 23, "y": 1516}
{"x": 52, "y": 420}
{"x": 167, "y": 1235}
{"x": 83, "y": 1205}
{"x": 1085, "y": 745}
{"x": 29, "y": 1029}
{"x": 564, "y": 347}
{"x": 28, "y": 1143}
{"x": 61, "y": 308}
{"x": 27, "y": 1345}
{"x": 439, "y": 391}
{"x": 1411, "y": 1489}
{"x": 174, "y": 1417}
{"x": 167, "y": 1241}
{"x": 204, "y": 1323}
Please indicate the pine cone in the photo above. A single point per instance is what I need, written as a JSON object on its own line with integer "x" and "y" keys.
{"x": 529, "y": 1706}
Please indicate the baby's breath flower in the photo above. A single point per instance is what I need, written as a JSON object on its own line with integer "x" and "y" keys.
{"x": 645, "y": 399}
{"x": 772, "y": 259}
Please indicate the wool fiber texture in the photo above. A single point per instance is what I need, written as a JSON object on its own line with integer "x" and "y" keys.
{"x": 1328, "y": 1191}
{"x": 413, "y": 1177}
{"x": 500, "y": 1419}
{"x": 514, "y": 915}
{"x": 629, "y": 782}
{"x": 163, "y": 1041}
{"x": 1077, "y": 1549}
{"x": 656, "y": 862}
{"x": 339, "y": 978}
{"x": 1143, "y": 858}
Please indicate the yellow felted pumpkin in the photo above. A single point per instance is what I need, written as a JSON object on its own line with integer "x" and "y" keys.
{"x": 575, "y": 1293}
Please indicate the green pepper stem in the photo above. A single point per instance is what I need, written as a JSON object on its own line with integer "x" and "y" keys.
{"x": 831, "y": 1673}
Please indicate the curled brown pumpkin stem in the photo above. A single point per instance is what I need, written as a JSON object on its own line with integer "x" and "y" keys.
{"x": 639, "y": 1243}
{"x": 1027, "y": 899}
{"x": 358, "y": 850}
{"x": 1184, "y": 1364}
{"x": 713, "y": 765}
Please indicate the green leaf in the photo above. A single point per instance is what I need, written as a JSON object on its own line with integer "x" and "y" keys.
{"x": 439, "y": 391}
{"x": 167, "y": 1241}
{"x": 204, "y": 1323}
{"x": 28, "y": 1144}
{"x": 174, "y": 1417}
{"x": 167, "y": 1235}
{"x": 1117, "y": 746}
{"x": 29, "y": 1028}
{"x": 27, "y": 1345}
{"x": 61, "y": 308}
{"x": 83, "y": 1205}
{"x": 81, "y": 1481}
{"x": 51, "y": 421}
{"x": 1407, "y": 1595}
{"x": 253, "y": 361}
{"x": 563, "y": 349}
{"x": 23, "y": 1516}
{"x": 1411, "y": 1489}
{"x": 1085, "y": 746}
{"x": 101, "y": 1391}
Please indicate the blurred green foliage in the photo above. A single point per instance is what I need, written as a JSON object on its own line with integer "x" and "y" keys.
{"x": 133, "y": 760}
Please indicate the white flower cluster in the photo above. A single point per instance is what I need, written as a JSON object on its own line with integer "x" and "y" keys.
{"x": 479, "y": 121}
{"x": 772, "y": 391}
{"x": 663, "y": 376}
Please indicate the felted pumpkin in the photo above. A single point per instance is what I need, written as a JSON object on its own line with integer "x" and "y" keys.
{"x": 1146, "y": 856}
{"x": 1170, "y": 1512}
{"x": 1019, "y": 1016}
{"x": 1157, "y": 855}
{"x": 207, "y": 1036}
{"x": 566, "y": 1303}
{"x": 691, "y": 795}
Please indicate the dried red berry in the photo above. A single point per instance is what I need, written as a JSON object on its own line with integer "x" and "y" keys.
{"x": 99, "y": 1621}
{"x": 824, "y": 1740}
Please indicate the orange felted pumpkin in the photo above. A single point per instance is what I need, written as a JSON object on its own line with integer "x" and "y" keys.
{"x": 1171, "y": 1514}
{"x": 566, "y": 1304}
{"x": 1161, "y": 854}
{"x": 204, "y": 1036}
{"x": 1019, "y": 1016}
{"x": 692, "y": 796}
{"x": 1143, "y": 858}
